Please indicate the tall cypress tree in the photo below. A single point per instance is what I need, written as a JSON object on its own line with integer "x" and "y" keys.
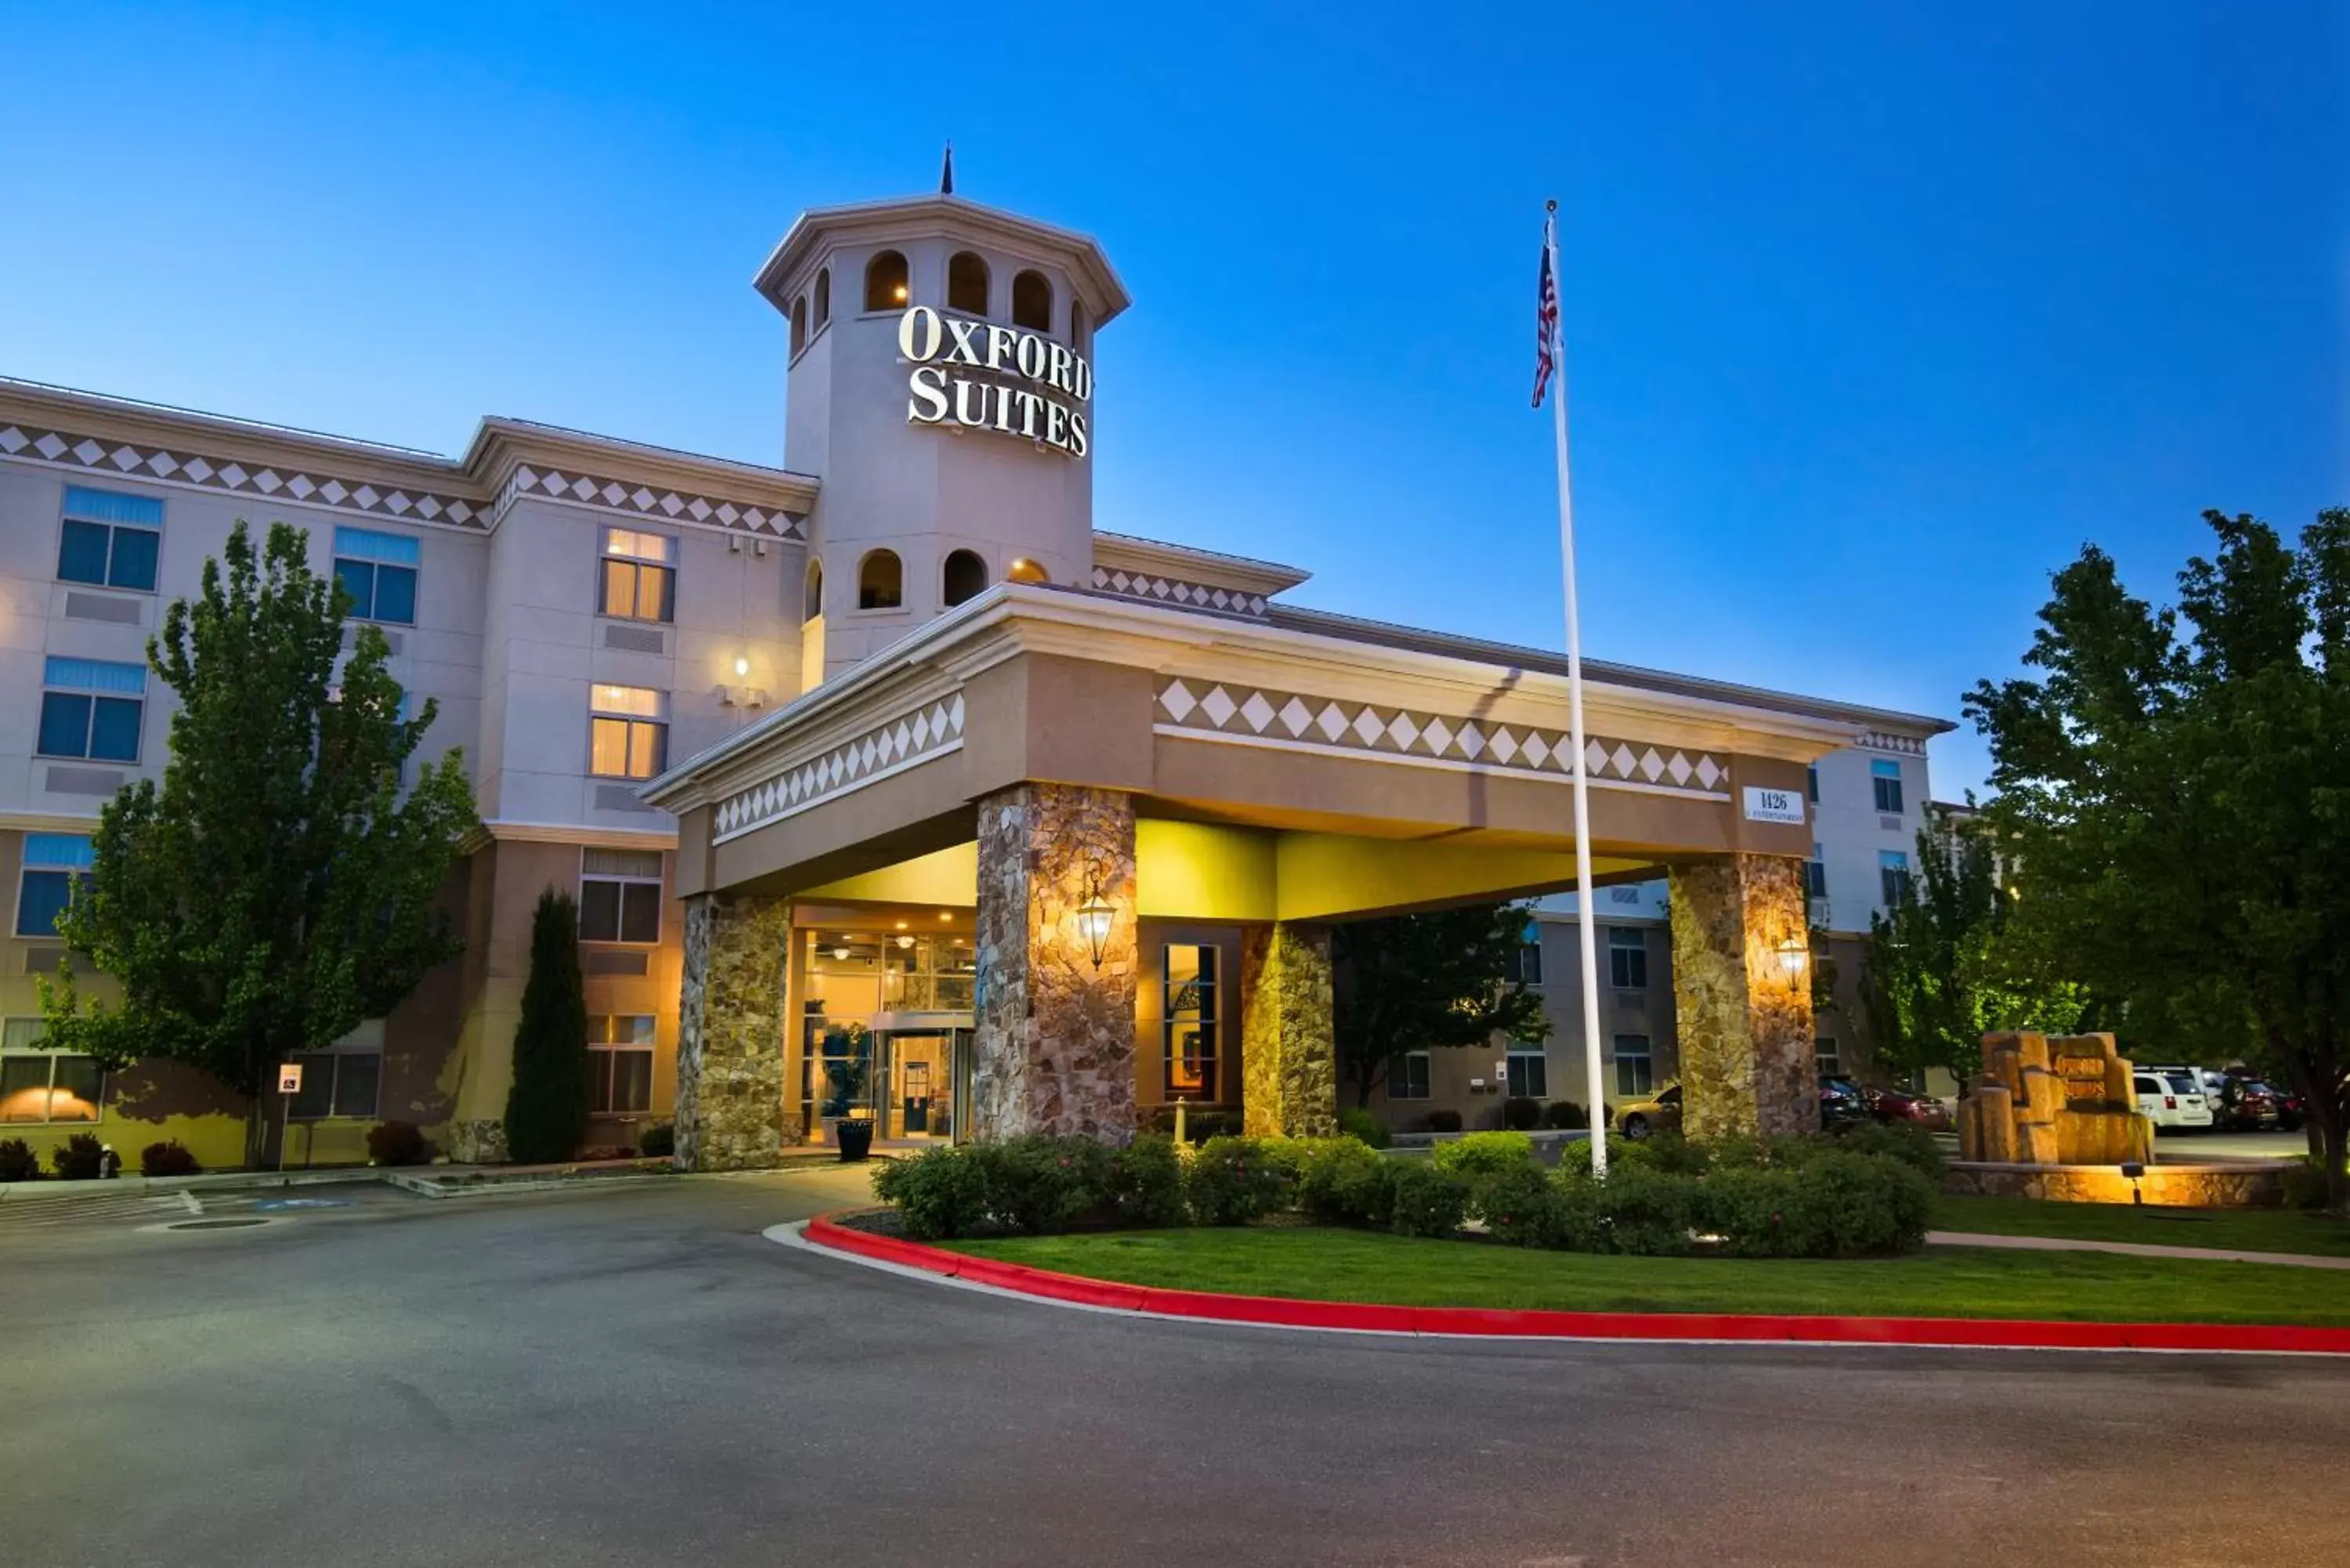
{"x": 546, "y": 1109}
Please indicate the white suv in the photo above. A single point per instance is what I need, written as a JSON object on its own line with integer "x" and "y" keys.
{"x": 2172, "y": 1097}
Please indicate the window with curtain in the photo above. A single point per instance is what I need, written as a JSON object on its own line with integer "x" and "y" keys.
{"x": 92, "y": 708}
{"x": 620, "y": 1064}
{"x": 627, "y": 732}
{"x": 1190, "y": 1021}
{"x": 640, "y": 575}
{"x": 1635, "y": 1072}
{"x": 54, "y": 864}
{"x": 1529, "y": 1073}
{"x": 1884, "y": 778}
{"x": 38, "y": 1085}
{"x": 620, "y": 896}
{"x": 110, "y": 539}
{"x": 337, "y": 1083}
{"x": 1892, "y": 873}
{"x": 1628, "y": 959}
{"x": 1408, "y": 1076}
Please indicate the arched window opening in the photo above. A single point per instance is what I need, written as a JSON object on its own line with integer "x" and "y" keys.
{"x": 881, "y": 581}
{"x": 1024, "y": 570}
{"x": 967, "y": 284}
{"x": 1032, "y": 302}
{"x": 1076, "y": 325}
{"x": 812, "y": 597}
{"x": 799, "y": 324}
{"x": 966, "y": 576}
{"x": 885, "y": 281}
{"x": 823, "y": 298}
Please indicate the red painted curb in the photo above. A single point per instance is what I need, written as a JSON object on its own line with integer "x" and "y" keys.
{"x": 1964, "y": 1333}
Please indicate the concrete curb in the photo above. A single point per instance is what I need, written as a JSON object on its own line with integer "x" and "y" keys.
{"x": 1714, "y": 1328}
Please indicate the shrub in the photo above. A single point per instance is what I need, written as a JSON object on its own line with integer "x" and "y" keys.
{"x": 1521, "y": 1113}
{"x": 1427, "y": 1201}
{"x": 1831, "y": 1205}
{"x": 1907, "y": 1142}
{"x": 1347, "y": 1183}
{"x": 939, "y": 1193}
{"x": 1574, "y": 1158}
{"x": 1365, "y": 1127}
{"x": 81, "y": 1158}
{"x": 1145, "y": 1183}
{"x": 546, "y": 1105}
{"x": 1564, "y": 1114}
{"x": 1038, "y": 1183}
{"x": 659, "y": 1141}
{"x": 1234, "y": 1181}
{"x": 1483, "y": 1153}
{"x": 19, "y": 1163}
{"x": 1636, "y": 1210}
{"x": 1444, "y": 1121}
{"x": 170, "y": 1159}
{"x": 397, "y": 1143}
{"x": 1518, "y": 1205}
{"x": 2303, "y": 1180}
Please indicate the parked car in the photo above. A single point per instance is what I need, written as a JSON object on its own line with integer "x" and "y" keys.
{"x": 1659, "y": 1112}
{"x": 2245, "y": 1104}
{"x": 2172, "y": 1100}
{"x": 2290, "y": 1109}
{"x": 1841, "y": 1103}
{"x": 1900, "y": 1105}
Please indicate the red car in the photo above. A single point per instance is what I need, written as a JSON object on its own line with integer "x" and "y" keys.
{"x": 1896, "y": 1106}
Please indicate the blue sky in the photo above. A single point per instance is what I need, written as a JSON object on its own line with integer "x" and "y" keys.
{"x": 1874, "y": 314}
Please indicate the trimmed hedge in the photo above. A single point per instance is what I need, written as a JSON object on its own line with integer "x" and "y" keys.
{"x": 1790, "y": 1197}
{"x": 1365, "y": 1127}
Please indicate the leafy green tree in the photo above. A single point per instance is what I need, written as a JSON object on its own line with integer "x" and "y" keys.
{"x": 279, "y": 887}
{"x": 546, "y": 1108}
{"x": 2179, "y": 804}
{"x": 1418, "y": 982}
{"x": 1954, "y": 959}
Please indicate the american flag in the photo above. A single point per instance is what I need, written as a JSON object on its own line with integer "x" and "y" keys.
{"x": 1546, "y": 325}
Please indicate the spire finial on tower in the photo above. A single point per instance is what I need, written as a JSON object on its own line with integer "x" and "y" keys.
{"x": 946, "y": 172}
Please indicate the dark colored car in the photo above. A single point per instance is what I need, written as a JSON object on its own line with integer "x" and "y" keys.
{"x": 1843, "y": 1105}
{"x": 1899, "y": 1106}
{"x": 2291, "y": 1110}
{"x": 2246, "y": 1105}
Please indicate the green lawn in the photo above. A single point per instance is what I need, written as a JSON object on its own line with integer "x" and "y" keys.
{"x": 1960, "y": 1281}
{"x": 2235, "y": 1230}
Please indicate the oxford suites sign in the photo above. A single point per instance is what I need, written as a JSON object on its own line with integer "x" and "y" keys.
{"x": 985, "y": 377}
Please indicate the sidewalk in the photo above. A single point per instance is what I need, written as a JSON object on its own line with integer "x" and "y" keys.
{"x": 2133, "y": 1249}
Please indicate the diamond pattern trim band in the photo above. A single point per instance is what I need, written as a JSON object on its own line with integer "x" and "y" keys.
{"x": 644, "y": 501}
{"x": 923, "y": 735}
{"x": 309, "y": 486}
{"x": 1172, "y": 591}
{"x": 1325, "y": 722}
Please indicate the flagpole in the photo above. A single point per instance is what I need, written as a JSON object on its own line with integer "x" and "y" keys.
{"x": 1586, "y": 926}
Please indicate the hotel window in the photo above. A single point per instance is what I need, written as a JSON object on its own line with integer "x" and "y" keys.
{"x": 1525, "y": 964}
{"x": 812, "y": 595}
{"x": 1811, "y": 783}
{"x": 92, "y": 709}
{"x": 620, "y": 895}
{"x": 109, "y": 539}
{"x": 1408, "y": 1076}
{"x": 1628, "y": 959}
{"x": 38, "y": 1085}
{"x": 1529, "y": 1073}
{"x": 620, "y": 1064}
{"x": 967, "y": 284}
{"x": 1032, "y": 302}
{"x": 1635, "y": 1065}
{"x": 1824, "y": 1055}
{"x": 965, "y": 576}
{"x": 823, "y": 299}
{"x": 54, "y": 864}
{"x": 1892, "y": 873}
{"x": 1884, "y": 778}
{"x": 881, "y": 581}
{"x": 640, "y": 575}
{"x": 1816, "y": 875}
{"x": 799, "y": 319}
{"x": 1190, "y": 1022}
{"x": 338, "y": 1082}
{"x": 626, "y": 738}
{"x": 378, "y": 571}
{"x": 885, "y": 281}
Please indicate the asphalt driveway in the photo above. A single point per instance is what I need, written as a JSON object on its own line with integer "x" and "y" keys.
{"x": 636, "y": 1376}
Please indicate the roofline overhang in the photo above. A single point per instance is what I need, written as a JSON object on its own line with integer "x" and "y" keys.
{"x": 1225, "y": 571}
{"x": 1013, "y": 618}
{"x": 802, "y": 240}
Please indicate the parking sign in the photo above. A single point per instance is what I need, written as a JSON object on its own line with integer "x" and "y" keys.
{"x": 289, "y": 1078}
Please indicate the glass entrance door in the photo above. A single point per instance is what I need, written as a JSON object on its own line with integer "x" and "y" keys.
{"x": 919, "y": 1070}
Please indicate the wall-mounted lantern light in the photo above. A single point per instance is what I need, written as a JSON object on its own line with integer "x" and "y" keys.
{"x": 1094, "y": 917}
{"x": 1793, "y": 954}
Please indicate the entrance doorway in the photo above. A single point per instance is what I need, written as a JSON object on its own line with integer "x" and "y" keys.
{"x": 921, "y": 1076}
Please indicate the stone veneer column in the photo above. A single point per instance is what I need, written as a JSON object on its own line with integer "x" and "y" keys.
{"x": 1745, "y": 1020}
{"x": 1289, "y": 1060}
{"x": 729, "y": 1040}
{"x": 1054, "y": 1048}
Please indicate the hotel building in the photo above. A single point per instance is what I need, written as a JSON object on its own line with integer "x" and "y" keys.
{"x": 890, "y": 786}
